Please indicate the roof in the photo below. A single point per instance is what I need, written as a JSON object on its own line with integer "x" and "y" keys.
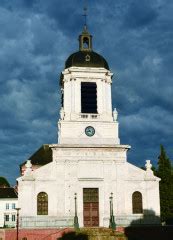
{"x": 86, "y": 59}
{"x": 41, "y": 157}
{"x": 8, "y": 192}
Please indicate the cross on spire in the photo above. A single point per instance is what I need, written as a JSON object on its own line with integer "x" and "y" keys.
{"x": 85, "y": 17}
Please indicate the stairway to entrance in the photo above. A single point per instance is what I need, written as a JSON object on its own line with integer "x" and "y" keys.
{"x": 94, "y": 234}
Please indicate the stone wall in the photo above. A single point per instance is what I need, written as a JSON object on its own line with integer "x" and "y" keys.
{"x": 33, "y": 234}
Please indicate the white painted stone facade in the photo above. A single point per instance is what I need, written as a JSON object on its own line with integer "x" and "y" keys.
{"x": 73, "y": 123}
{"x": 79, "y": 162}
{"x": 75, "y": 168}
{"x": 7, "y": 212}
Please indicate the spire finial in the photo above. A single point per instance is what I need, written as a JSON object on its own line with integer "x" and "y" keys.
{"x": 85, "y": 9}
{"x": 85, "y": 39}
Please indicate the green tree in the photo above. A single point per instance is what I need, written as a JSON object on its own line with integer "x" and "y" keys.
{"x": 171, "y": 195}
{"x": 4, "y": 182}
{"x": 166, "y": 184}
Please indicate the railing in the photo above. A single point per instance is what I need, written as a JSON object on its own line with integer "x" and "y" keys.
{"x": 46, "y": 221}
{"x": 89, "y": 116}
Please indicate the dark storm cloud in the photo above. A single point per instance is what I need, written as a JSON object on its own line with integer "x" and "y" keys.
{"x": 37, "y": 36}
{"x": 140, "y": 15}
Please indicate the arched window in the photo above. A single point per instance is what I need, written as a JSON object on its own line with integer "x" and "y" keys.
{"x": 42, "y": 203}
{"x": 137, "y": 202}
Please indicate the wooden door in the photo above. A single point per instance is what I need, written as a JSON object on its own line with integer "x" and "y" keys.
{"x": 91, "y": 207}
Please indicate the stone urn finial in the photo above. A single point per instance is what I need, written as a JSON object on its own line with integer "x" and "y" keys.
{"x": 28, "y": 169}
{"x": 148, "y": 165}
{"x": 115, "y": 114}
{"x": 149, "y": 171}
{"x": 62, "y": 113}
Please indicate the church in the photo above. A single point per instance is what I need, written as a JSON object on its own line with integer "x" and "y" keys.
{"x": 85, "y": 178}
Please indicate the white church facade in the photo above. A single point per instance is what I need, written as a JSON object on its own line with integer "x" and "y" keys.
{"x": 86, "y": 172}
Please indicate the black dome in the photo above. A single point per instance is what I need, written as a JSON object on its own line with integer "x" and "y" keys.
{"x": 86, "y": 59}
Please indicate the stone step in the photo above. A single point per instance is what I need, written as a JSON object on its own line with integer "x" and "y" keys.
{"x": 101, "y": 234}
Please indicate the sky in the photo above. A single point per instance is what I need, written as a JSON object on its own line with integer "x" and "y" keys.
{"x": 36, "y": 37}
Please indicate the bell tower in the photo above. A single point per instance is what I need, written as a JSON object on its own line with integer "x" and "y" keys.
{"x": 85, "y": 41}
{"x": 86, "y": 115}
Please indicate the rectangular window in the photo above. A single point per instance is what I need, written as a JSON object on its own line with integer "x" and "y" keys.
{"x": 88, "y": 97}
{"x": 7, "y": 206}
{"x": 90, "y": 195}
{"x": 13, "y": 218}
{"x": 13, "y": 205}
{"x": 7, "y": 218}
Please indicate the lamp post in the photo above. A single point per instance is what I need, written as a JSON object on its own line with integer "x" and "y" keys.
{"x": 112, "y": 219}
{"x": 76, "y": 223}
{"x": 17, "y": 223}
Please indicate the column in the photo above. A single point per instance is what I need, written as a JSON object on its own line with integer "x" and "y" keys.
{"x": 67, "y": 97}
{"x": 99, "y": 97}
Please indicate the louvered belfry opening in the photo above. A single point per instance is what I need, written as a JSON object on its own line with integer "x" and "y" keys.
{"x": 88, "y": 97}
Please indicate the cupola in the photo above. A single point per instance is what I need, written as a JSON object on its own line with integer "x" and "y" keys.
{"x": 86, "y": 57}
{"x": 85, "y": 41}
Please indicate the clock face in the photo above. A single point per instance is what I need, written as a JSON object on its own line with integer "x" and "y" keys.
{"x": 89, "y": 131}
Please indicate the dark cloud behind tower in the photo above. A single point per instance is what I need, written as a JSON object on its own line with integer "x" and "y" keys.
{"x": 37, "y": 36}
